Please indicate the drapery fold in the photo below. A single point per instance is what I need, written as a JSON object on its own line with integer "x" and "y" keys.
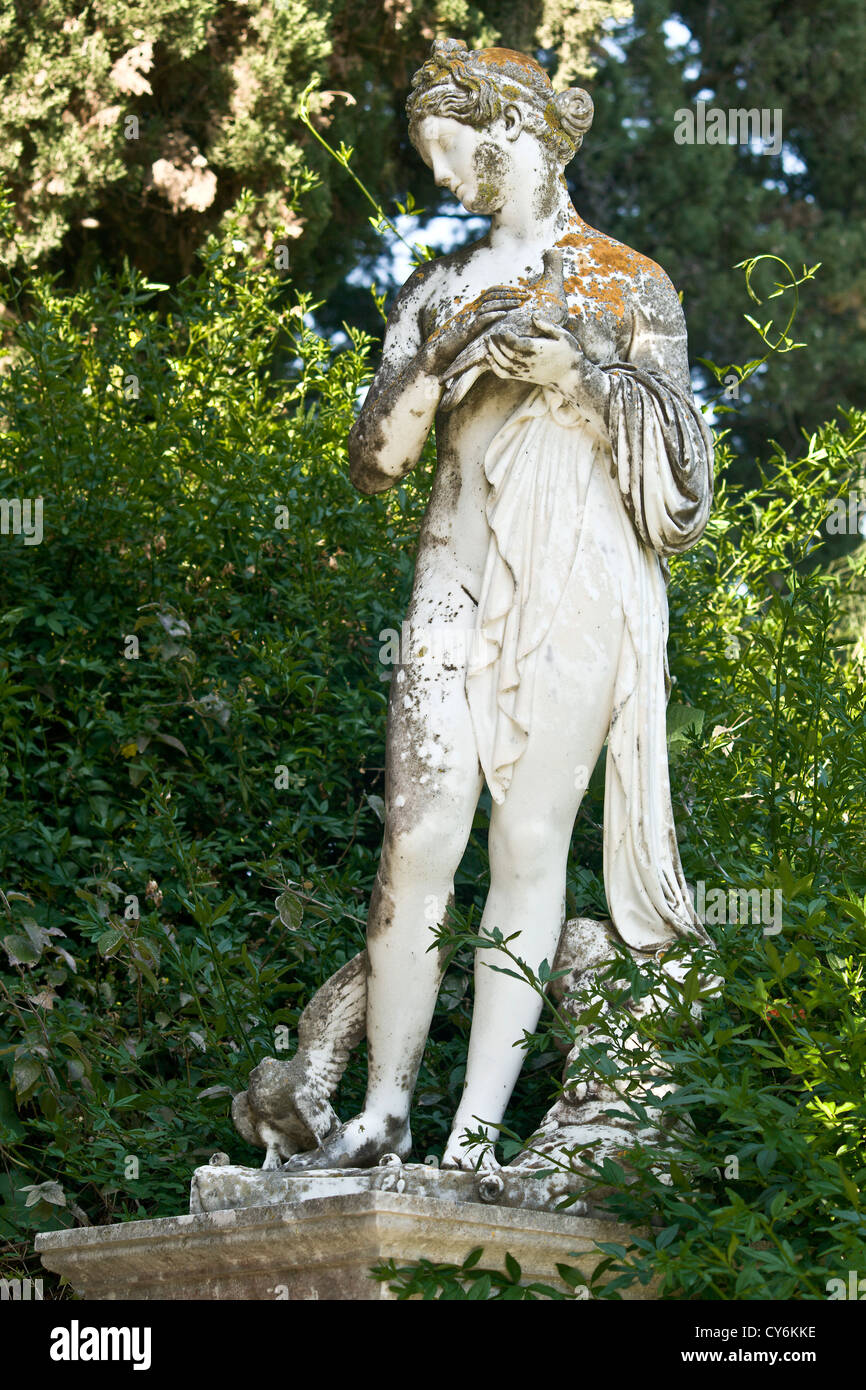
{"x": 658, "y": 471}
{"x": 537, "y": 466}
{"x": 662, "y": 464}
{"x": 662, "y": 454}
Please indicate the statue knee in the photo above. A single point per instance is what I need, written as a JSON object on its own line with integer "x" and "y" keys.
{"x": 526, "y": 848}
{"x": 426, "y": 851}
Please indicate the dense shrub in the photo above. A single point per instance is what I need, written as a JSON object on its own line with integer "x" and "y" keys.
{"x": 767, "y": 734}
{"x": 198, "y": 508}
{"x": 192, "y": 735}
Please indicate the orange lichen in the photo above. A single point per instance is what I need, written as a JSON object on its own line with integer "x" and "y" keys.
{"x": 505, "y": 57}
{"x": 607, "y": 268}
{"x": 465, "y": 314}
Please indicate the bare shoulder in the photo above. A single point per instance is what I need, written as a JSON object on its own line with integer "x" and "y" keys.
{"x": 403, "y": 329}
{"x": 416, "y": 291}
{"x": 623, "y": 279}
{"x": 431, "y": 292}
{"x": 407, "y": 326}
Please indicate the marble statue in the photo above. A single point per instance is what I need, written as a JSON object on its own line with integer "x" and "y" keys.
{"x": 572, "y": 460}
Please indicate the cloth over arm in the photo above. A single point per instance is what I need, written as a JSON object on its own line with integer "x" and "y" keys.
{"x": 661, "y": 464}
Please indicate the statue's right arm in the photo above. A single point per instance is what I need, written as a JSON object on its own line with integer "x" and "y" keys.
{"x": 387, "y": 438}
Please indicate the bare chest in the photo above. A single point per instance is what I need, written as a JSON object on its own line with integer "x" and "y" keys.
{"x": 601, "y": 302}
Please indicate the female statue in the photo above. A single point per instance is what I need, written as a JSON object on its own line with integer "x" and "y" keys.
{"x": 572, "y": 459}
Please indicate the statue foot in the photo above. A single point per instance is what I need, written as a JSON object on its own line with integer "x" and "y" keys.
{"x": 477, "y": 1159}
{"x": 359, "y": 1143}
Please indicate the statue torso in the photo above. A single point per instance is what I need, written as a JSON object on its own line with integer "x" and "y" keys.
{"x": 604, "y": 283}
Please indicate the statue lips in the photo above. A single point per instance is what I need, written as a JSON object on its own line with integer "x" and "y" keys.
{"x": 547, "y": 298}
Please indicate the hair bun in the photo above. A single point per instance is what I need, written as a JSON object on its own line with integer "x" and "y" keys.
{"x": 442, "y": 51}
{"x": 575, "y": 111}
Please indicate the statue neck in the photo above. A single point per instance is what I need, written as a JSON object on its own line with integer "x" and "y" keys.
{"x": 520, "y": 224}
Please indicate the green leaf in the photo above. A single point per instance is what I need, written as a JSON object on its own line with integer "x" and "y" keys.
{"x": 11, "y": 1128}
{"x": 290, "y": 909}
{"x": 480, "y": 1289}
{"x": 679, "y": 1177}
{"x": 851, "y": 1189}
{"x": 665, "y": 1237}
{"x": 44, "y": 1192}
{"x": 20, "y": 950}
{"x": 683, "y": 721}
{"x": 26, "y": 1071}
{"x": 513, "y": 1269}
{"x": 765, "y": 1160}
{"x": 110, "y": 942}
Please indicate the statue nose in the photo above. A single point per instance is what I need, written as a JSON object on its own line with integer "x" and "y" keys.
{"x": 441, "y": 174}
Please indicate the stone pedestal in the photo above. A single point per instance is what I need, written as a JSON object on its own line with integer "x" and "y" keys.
{"x": 316, "y": 1236}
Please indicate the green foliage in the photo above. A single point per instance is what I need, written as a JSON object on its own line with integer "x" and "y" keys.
{"x": 189, "y": 833}
{"x": 699, "y": 209}
{"x": 469, "y": 1282}
{"x": 131, "y": 129}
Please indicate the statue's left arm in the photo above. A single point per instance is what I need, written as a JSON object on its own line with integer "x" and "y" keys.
{"x": 661, "y": 446}
{"x": 643, "y": 406}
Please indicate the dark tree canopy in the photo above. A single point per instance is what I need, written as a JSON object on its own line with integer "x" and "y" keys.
{"x": 130, "y": 129}
{"x": 700, "y": 209}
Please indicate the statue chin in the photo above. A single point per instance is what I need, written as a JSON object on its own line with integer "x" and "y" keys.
{"x": 480, "y": 206}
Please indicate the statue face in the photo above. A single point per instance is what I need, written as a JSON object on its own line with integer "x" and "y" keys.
{"x": 475, "y": 165}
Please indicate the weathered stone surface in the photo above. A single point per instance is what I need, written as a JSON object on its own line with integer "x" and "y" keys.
{"x": 223, "y": 1188}
{"x": 286, "y": 1106}
{"x": 572, "y": 460}
{"x": 593, "y": 1117}
{"x": 317, "y": 1249}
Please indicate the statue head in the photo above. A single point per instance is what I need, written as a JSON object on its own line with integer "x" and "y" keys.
{"x": 488, "y": 118}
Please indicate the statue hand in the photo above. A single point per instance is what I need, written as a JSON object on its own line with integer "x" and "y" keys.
{"x": 553, "y": 359}
{"x": 464, "y": 327}
{"x": 543, "y": 360}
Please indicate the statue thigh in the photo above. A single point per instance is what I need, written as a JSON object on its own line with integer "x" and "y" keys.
{"x": 432, "y": 780}
{"x": 575, "y": 676}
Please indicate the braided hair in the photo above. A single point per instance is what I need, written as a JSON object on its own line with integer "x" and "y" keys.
{"x": 475, "y": 87}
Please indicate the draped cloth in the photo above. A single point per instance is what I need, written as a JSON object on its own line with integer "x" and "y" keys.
{"x": 556, "y": 488}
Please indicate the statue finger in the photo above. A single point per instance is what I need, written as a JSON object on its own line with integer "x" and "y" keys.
{"x": 551, "y": 330}
{"x": 513, "y": 341}
{"x": 499, "y": 354}
{"x": 496, "y": 306}
{"x": 490, "y": 316}
{"x": 504, "y": 292}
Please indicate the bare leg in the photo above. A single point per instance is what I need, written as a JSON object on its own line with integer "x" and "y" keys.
{"x": 530, "y": 834}
{"x": 432, "y": 784}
